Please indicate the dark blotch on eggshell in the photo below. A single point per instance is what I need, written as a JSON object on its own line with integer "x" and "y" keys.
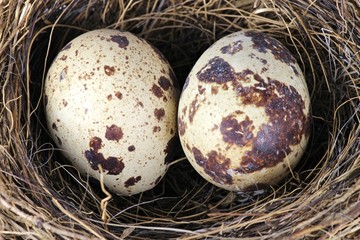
{"x": 113, "y": 133}
{"x": 217, "y": 70}
{"x": 132, "y": 181}
{"x": 159, "y": 113}
{"x": 164, "y": 83}
{"x": 131, "y": 148}
{"x": 258, "y": 94}
{"x": 264, "y": 43}
{"x": 232, "y": 48}
{"x": 122, "y": 41}
{"x": 112, "y": 165}
{"x": 215, "y": 165}
{"x": 157, "y": 91}
{"x": 234, "y": 132}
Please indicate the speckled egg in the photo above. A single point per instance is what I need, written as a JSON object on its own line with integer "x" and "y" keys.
{"x": 111, "y": 102}
{"x": 244, "y": 112}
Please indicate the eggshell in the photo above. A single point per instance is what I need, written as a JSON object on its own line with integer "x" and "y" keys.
{"x": 111, "y": 101}
{"x": 244, "y": 112}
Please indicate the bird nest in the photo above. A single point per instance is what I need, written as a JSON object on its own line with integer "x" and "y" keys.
{"x": 43, "y": 197}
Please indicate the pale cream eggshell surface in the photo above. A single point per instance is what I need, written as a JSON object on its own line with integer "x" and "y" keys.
{"x": 244, "y": 112}
{"x": 111, "y": 101}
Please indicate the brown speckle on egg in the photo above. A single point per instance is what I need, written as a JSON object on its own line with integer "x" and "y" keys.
{"x": 214, "y": 89}
{"x": 63, "y": 58}
{"x": 113, "y": 133}
{"x": 156, "y": 129}
{"x": 139, "y": 104}
{"x": 64, "y": 102}
{"x": 109, "y": 70}
{"x": 109, "y": 97}
{"x": 118, "y": 95}
{"x": 263, "y": 61}
{"x": 131, "y": 148}
{"x": 201, "y": 89}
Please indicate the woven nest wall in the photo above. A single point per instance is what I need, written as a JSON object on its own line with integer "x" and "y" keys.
{"x": 43, "y": 197}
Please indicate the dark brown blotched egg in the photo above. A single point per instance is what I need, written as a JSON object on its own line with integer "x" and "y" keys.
{"x": 111, "y": 102}
{"x": 244, "y": 112}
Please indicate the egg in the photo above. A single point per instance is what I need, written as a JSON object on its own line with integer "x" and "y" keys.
{"x": 244, "y": 112}
{"x": 110, "y": 103}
